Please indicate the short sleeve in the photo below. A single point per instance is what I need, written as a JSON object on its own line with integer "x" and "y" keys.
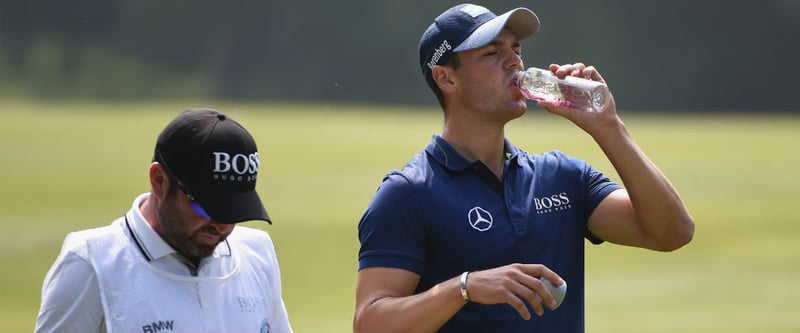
{"x": 391, "y": 231}
{"x": 598, "y": 188}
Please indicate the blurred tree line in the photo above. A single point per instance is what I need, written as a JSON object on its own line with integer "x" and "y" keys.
{"x": 656, "y": 55}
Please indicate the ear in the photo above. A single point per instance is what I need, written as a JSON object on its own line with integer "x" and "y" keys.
{"x": 444, "y": 78}
{"x": 159, "y": 180}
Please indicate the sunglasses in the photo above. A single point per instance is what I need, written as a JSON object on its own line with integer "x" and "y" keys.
{"x": 185, "y": 188}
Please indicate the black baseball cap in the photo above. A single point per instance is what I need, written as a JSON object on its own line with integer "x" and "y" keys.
{"x": 215, "y": 162}
{"x": 466, "y": 27}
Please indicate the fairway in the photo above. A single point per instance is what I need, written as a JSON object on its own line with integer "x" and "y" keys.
{"x": 71, "y": 165}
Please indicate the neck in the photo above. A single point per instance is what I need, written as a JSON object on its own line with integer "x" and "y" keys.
{"x": 478, "y": 142}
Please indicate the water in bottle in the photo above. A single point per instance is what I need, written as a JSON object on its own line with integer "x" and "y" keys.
{"x": 573, "y": 92}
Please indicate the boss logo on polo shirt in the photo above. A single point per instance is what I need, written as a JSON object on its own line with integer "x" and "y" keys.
{"x": 237, "y": 167}
{"x": 552, "y": 203}
{"x": 251, "y": 304}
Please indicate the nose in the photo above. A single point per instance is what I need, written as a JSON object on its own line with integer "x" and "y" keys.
{"x": 513, "y": 61}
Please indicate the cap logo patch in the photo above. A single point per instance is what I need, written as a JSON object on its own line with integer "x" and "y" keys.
{"x": 474, "y": 10}
{"x": 244, "y": 166}
{"x": 444, "y": 47}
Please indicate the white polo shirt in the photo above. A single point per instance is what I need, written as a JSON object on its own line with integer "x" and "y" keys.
{"x": 125, "y": 278}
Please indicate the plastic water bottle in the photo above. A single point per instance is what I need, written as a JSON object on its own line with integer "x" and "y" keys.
{"x": 573, "y": 92}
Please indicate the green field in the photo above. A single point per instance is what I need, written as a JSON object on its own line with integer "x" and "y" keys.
{"x": 71, "y": 165}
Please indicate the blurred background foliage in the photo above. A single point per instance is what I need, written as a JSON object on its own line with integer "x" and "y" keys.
{"x": 679, "y": 55}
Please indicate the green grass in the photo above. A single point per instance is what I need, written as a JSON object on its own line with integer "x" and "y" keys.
{"x": 71, "y": 165}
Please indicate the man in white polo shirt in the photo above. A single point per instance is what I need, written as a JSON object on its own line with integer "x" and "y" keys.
{"x": 175, "y": 262}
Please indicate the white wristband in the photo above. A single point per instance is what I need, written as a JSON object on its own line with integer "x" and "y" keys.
{"x": 463, "y": 284}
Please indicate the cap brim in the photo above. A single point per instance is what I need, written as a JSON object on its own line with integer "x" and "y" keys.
{"x": 521, "y": 22}
{"x": 232, "y": 207}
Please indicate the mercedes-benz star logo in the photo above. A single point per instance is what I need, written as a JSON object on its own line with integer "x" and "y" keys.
{"x": 479, "y": 219}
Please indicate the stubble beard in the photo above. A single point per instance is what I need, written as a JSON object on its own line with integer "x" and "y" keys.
{"x": 183, "y": 240}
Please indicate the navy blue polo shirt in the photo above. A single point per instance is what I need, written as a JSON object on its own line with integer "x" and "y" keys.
{"x": 442, "y": 215}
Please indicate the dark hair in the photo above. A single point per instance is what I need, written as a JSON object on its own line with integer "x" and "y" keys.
{"x": 454, "y": 62}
